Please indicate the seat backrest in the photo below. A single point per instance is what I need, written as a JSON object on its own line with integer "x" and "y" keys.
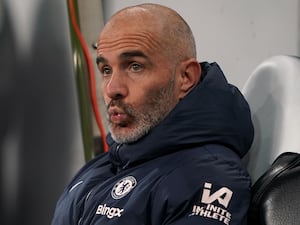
{"x": 273, "y": 93}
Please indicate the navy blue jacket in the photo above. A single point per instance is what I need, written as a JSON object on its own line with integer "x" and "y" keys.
{"x": 186, "y": 171}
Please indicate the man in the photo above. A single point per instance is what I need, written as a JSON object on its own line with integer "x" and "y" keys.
{"x": 177, "y": 132}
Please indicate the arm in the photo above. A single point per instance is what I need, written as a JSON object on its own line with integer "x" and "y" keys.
{"x": 209, "y": 194}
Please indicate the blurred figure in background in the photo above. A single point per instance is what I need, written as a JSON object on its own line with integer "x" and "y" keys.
{"x": 39, "y": 125}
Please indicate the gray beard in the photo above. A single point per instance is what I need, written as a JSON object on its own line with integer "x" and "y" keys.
{"x": 156, "y": 108}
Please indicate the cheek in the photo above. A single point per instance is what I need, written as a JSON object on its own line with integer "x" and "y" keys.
{"x": 103, "y": 93}
{"x": 155, "y": 94}
{"x": 138, "y": 96}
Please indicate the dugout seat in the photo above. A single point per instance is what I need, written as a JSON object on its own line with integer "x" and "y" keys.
{"x": 273, "y": 162}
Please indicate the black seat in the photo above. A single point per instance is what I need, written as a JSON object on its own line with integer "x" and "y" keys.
{"x": 276, "y": 194}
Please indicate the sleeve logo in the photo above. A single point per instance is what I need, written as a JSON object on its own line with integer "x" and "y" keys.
{"x": 223, "y": 195}
{"x": 123, "y": 187}
{"x": 214, "y": 204}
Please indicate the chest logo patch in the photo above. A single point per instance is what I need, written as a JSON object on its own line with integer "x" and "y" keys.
{"x": 123, "y": 187}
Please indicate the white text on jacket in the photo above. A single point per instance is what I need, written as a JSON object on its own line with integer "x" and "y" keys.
{"x": 109, "y": 212}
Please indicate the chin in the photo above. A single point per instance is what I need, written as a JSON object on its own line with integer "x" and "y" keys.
{"x": 126, "y": 136}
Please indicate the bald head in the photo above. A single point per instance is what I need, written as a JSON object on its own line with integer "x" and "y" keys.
{"x": 146, "y": 56}
{"x": 167, "y": 29}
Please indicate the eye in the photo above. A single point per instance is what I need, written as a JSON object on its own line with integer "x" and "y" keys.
{"x": 136, "y": 67}
{"x": 105, "y": 70}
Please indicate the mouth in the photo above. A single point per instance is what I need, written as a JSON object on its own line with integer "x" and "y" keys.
{"x": 117, "y": 116}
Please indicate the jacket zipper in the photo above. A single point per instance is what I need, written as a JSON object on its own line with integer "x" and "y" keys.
{"x": 118, "y": 157}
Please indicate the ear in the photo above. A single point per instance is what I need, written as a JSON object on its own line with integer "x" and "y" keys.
{"x": 190, "y": 73}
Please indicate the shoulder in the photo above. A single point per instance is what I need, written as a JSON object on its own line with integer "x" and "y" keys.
{"x": 206, "y": 162}
{"x": 210, "y": 164}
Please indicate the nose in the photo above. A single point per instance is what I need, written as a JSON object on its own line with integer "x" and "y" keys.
{"x": 116, "y": 87}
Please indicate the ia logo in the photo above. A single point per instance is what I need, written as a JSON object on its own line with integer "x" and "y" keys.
{"x": 223, "y": 195}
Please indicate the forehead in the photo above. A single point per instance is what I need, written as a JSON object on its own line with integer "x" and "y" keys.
{"x": 130, "y": 32}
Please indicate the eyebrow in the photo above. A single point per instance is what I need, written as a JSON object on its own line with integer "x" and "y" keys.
{"x": 131, "y": 54}
{"x": 101, "y": 59}
{"x": 124, "y": 55}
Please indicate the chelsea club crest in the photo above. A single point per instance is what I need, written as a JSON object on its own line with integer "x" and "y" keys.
{"x": 123, "y": 187}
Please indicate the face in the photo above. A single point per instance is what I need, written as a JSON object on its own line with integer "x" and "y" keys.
{"x": 138, "y": 83}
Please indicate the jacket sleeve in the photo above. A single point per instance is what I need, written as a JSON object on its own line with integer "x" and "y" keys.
{"x": 203, "y": 195}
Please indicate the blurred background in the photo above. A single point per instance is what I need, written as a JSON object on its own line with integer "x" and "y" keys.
{"x": 52, "y": 117}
